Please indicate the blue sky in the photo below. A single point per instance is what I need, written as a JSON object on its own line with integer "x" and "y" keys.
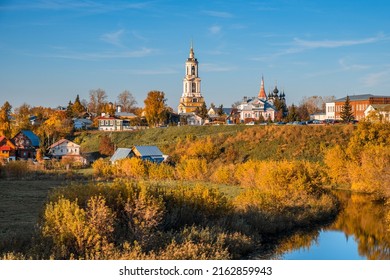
{"x": 52, "y": 50}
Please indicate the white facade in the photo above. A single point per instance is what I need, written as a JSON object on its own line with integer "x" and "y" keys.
{"x": 191, "y": 81}
{"x": 64, "y": 147}
{"x": 255, "y": 108}
{"x": 330, "y": 110}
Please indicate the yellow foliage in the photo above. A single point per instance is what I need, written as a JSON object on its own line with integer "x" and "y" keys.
{"x": 224, "y": 174}
{"x": 337, "y": 163}
{"x": 372, "y": 173}
{"x": 161, "y": 171}
{"x": 192, "y": 169}
{"x": 131, "y": 167}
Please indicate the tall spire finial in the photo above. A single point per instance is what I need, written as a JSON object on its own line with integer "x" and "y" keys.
{"x": 192, "y": 49}
{"x": 262, "y": 94}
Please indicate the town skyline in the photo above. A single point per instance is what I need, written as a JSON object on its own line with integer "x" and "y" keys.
{"x": 55, "y": 50}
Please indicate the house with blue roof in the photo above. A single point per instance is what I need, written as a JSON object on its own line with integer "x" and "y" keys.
{"x": 27, "y": 143}
{"x": 149, "y": 153}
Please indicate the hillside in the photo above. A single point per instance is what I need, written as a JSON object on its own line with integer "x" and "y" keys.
{"x": 237, "y": 143}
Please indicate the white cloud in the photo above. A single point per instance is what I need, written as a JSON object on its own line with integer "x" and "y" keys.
{"x": 346, "y": 66}
{"x": 218, "y": 14}
{"x": 215, "y": 29}
{"x": 95, "y": 56}
{"x": 376, "y": 79}
{"x": 306, "y": 44}
{"x": 113, "y": 38}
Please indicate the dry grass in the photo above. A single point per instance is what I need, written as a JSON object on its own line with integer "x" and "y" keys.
{"x": 20, "y": 205}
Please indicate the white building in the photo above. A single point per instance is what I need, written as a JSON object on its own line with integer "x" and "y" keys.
{"x": 191, "y": 98}
{"x": 66, "y": 149}
{"x": 260, "y": 107}
{"x": 330, "y": 111}
{"x": 382, "y": 111}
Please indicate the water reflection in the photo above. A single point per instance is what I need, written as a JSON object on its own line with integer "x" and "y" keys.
{"x": 359, "y": 232}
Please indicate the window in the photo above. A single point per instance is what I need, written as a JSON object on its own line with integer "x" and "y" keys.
{"x": 193, "y": 70}
{"x": 193, "y": 87}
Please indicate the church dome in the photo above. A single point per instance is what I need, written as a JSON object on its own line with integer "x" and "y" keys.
{"x": 276, "y": 91}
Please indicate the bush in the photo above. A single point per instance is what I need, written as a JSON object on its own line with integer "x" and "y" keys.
{"x": 131, "y": 167}
{"x": 372, "y": 173}
{"x": 192, "y": 169}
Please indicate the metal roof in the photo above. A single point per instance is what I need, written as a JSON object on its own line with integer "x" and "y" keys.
{"x": 32, "y": 136}
{"x": 148, "y": 150}
{"x": 120, "y": 153}
{"x": 356, "y": 97}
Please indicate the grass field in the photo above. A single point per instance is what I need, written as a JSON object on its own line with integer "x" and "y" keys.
{"x": 20, "y": 205}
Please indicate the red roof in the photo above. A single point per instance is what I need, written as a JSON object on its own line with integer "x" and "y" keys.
{"x": 5, "y": 148}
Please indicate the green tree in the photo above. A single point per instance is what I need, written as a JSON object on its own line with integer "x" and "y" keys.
{"x": 5, "y": 122}
{"x": 155, "y": 108}
{"x": 220, "y": 111}
{"x": 346, "y": 113}
{"x": 77, "y": 107}
{"x": 202, "y": 111}
{"x": 292, "y": 114}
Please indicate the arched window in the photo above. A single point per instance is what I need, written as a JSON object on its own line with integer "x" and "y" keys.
{"x": 193, "y": 70}
{"x": 193, "y": 87}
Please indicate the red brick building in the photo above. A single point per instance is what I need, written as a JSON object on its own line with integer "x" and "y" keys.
{"x": 359, "y": 104}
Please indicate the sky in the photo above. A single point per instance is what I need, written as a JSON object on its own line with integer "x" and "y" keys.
{"x": 50, "y": 51}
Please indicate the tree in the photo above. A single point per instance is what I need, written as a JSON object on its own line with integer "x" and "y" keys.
{"x": 22, "y": 117}
{"x": 77, "y": 107}
{"x": 220, "y": 111}
{"x": 155, "y": 108}
{"x": 292, "y": 114}
{"x": 5, "y": 122}
{"x": 346, "y": 113}
{"x": 127, "y": 101}
{"x": 203, "y": 113}
{"x": 106, "y": 146}
{"x": 97, "y": 99}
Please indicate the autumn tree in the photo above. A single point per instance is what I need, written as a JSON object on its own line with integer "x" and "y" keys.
{"x": 155, "y": 108}
{"x": 127, "y": 101}
{"x": 77, "y": 107}
{"x": 106, "y": 146}
{"x": 5, "y": 122}
{"x": 55, "y": 127}
{"x": 346, "y": 113}
{"x": 22, "y": 117}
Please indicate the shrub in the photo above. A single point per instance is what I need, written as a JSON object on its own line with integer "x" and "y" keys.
{"x": 161, "y": 171}
{"x": 224, "y": 174}
{"x": 131, "y": 167}
{"x": 372, "y": 173}
{"x": 102, "y": 168}
{"x": 192, "y": 169}
{"x": 336, "y": 161}
{"x": 77, "y": 232}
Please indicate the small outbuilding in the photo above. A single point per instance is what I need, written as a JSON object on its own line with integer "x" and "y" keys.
{"x": 150, "y": 153}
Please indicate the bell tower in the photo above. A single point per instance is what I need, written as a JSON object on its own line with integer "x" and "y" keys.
{"x": 192, "y": 97}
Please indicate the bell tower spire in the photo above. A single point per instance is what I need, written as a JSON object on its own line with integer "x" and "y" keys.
{"x": 262, "y": 94}
{"x": 192, "y": 97}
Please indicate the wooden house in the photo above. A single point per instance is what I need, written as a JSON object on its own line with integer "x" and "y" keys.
{"x": 66, "y": 149}
{"x": 7, "y": 149}
{"x": 27, "y": 143}
{"x": 150, "y": 153}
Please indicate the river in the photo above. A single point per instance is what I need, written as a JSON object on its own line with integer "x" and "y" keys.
{"x": 360, "y": 231}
